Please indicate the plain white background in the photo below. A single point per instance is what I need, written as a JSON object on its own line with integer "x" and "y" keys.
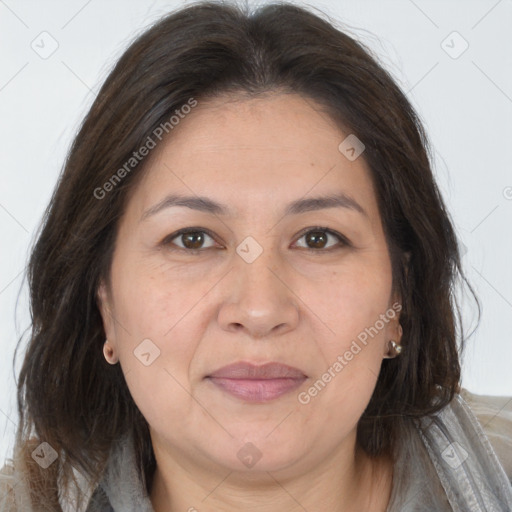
{"x": 56, "y": 54}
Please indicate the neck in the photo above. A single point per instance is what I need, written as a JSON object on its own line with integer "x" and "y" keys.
{"x": 346, "y": 484}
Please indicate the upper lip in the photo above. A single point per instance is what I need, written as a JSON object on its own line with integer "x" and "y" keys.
{"x": 245, "y": 370}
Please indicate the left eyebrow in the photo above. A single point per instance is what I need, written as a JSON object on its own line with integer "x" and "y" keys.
{"x": 319, "y": 203}
{"x": 204, "y": 204}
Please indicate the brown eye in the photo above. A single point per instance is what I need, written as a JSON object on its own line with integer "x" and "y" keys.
{"x": 316, "y": 239}
{"x": 190, "y": 240}
{"x": 193, "y": 240}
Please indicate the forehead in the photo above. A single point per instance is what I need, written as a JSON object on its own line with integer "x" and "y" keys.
{"x": 255, "y": 153}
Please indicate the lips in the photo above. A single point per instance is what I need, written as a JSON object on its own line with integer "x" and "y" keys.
{"x": 252, "y": 383}
{"x": 242, "y": 370}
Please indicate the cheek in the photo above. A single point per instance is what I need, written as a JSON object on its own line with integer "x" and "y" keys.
{"x": 149, "y": 305}
{"x": 353, "y": 305}
{"x": 153, "y": 298}
{"x": 156, "y": 317}
{"x": 351, "y": 300}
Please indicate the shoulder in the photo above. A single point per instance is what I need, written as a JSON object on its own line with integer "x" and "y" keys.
{"x": 7, "y": 484}
{"x": 494, "y": 413}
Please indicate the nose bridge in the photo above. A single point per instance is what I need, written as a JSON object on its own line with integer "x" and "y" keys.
{"x": 259, "y": 300}
{"x": 256, "y": 269}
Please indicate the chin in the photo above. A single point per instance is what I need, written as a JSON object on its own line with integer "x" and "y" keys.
{"x": 257, "y": 454}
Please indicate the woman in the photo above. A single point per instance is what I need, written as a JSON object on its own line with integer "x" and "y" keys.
{"x": 242, "y": 291}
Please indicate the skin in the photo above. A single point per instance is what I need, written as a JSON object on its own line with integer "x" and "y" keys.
{"x": 298, "y": 307}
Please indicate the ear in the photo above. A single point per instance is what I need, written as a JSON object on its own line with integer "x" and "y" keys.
{"x": 105, "y": 306}
{"x": 397, "y": 298}
{"x": 394, "y": 329}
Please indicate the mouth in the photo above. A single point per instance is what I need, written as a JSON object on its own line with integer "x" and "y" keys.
{"x": 253, "y": 383}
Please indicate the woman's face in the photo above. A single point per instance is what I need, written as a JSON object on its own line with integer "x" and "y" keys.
{"x": 267, "y": 283}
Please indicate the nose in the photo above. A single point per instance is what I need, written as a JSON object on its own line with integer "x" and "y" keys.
{"x": 260, "y": 301}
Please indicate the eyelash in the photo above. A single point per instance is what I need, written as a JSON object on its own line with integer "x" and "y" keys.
{"x": 343, "y": 241}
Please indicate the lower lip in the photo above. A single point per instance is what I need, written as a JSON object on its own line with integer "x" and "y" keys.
{"x": 257, "y": 390}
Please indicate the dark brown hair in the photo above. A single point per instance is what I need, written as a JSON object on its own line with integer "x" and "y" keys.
{"x": 68, "y": 395}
